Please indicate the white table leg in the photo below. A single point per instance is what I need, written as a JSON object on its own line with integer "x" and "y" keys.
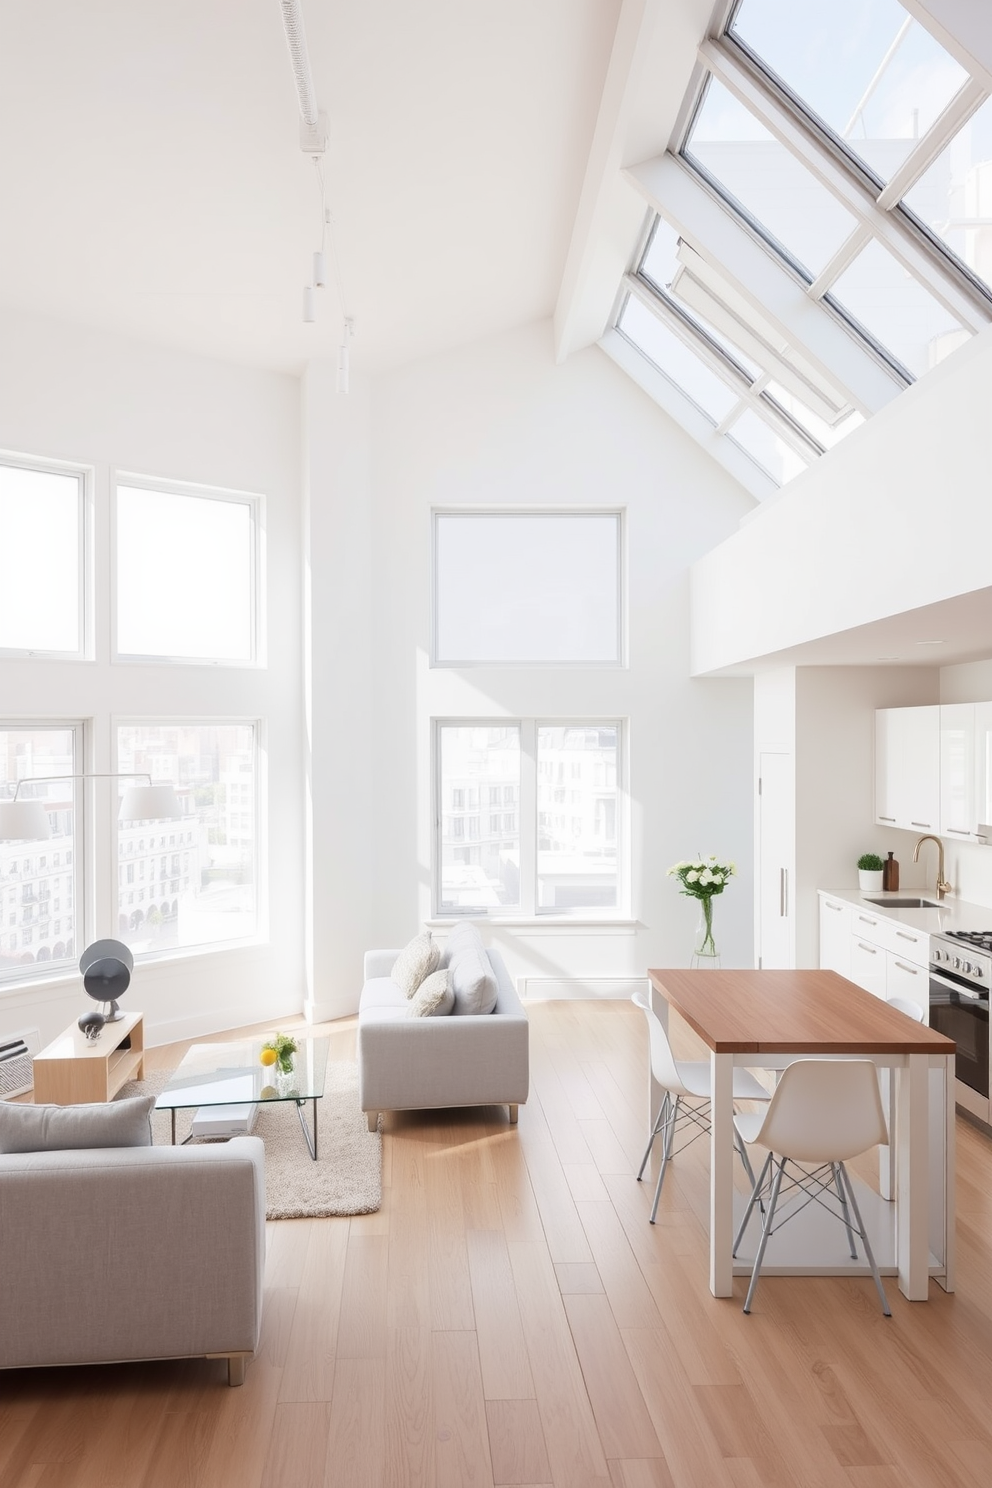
{"x": 722, "y": 1175}
{"x": 947, "y": 1137}
{"x": 912, "y": 1203}
{"x": 887, "y": 1154}
{"x": 655, "y": 1093}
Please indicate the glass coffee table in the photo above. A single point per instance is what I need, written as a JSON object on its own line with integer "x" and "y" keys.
{"x": 233, "y": 1075}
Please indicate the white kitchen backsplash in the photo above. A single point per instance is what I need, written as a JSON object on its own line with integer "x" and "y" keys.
{"x": 968, "y": 869}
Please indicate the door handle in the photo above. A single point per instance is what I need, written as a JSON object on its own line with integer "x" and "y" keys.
{"x": 783, "y": 892}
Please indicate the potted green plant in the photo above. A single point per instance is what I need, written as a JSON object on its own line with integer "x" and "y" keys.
{"x": 870, "y": 872}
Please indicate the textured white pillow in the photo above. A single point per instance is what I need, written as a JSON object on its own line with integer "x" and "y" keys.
{"x": 434, "y": 997}
{"x": 473, "y": 982}
{"x": 463, "y": 937}
{"x": 414, "y": 962}
{"x": 123, "y": 1123}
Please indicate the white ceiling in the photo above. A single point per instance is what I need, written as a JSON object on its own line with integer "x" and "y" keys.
{"x": 151, "y": 180}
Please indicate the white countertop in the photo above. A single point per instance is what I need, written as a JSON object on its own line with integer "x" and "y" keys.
{"x": 949, "y": 914}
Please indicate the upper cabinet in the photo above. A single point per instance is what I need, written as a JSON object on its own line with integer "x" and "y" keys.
{"x": 958, "y": 812}
{"x": 907, "y": 768}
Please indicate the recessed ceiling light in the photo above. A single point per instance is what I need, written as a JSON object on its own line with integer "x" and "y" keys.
{"x": 931, "y": 643}
{"x": 887, "y": 658}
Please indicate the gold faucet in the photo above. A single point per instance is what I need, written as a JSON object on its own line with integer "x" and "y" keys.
{"x": 942, "y": 886}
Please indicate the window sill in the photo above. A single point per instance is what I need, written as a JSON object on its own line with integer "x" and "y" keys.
{"x": 542, "y": 924}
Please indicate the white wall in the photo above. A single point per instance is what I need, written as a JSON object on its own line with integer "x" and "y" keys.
{"x": 75, "y": 394}
{"x": 968, "y": 865}
{"x": 893, "y": 518}
{"x": 499, "y": 424}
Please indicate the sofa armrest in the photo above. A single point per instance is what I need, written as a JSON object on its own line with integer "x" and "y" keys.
{"x": 379, "y": 963}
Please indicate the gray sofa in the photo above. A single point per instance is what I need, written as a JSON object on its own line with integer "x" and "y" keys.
{"x": 418, "y": 1064}
{"x": 126, "y": 1253}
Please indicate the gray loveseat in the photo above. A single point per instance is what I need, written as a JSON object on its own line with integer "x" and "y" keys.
{"x": 418, "y": 1064}
{"x": 126, "y": 1253}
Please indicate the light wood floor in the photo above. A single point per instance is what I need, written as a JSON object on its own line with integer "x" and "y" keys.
{"x": 510, "y": 1317}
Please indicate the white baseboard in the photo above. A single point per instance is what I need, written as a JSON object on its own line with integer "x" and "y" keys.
{"x": 552, "y": 989}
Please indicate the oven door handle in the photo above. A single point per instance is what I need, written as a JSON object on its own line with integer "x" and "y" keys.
{"x": 961, "y": 991}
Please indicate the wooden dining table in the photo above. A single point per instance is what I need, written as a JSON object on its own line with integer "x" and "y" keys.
{"x": 764, "y": 1020}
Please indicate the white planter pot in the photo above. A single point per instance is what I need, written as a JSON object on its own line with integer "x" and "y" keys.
{"x": 869, "y": 881}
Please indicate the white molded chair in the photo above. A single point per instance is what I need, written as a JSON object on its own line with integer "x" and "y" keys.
{"x": 823, "y": 1112}
{"x": 911, "y": 1009}
{"x": 685, "y": 1080}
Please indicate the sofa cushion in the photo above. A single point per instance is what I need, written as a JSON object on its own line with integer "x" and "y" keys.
{"x": 473, "y": 982}
{"x": 123, "y": 1123}
{"x": 462, "y": 937}
{"x": 416, "y": 961}
{"x": 382, "y": 992}
{"x": 434, "y": 997}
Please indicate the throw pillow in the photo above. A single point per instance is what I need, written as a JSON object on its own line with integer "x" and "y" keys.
{"x": 463, "y": 937}
{"x": 123, "y": 1123}
{"x": 473, "y": 983}
{"x": 434, "y": 997}
{"x": 414, "y": 962}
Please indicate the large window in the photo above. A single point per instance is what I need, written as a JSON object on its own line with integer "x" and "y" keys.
{"x": 192, "y": 881}
{"x": 40, "y": 902}
{"x": 41, "y": 559}
{"x": 554, "y": 847}
{"x": 186, "y": 575}
{"x": 519, "y": 588}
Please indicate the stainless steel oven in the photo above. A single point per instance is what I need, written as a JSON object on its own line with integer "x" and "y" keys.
{"x": 960, "y": 978}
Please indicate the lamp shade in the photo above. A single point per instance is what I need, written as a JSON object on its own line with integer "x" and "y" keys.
{"x": 150, "y": 803}
{"x": 24, "y": 821}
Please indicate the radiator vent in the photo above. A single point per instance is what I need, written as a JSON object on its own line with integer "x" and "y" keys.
{"x": 16, "y": 1053}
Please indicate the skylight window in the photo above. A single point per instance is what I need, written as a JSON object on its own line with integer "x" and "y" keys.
{"x": 766, "y": 447}
{"x": 676, "y": 360}
{"x": 774, "y": 190}
{"x": 953, "y": 198}
{"x": 866, "y": 68}
{"x": 902, "y": 317}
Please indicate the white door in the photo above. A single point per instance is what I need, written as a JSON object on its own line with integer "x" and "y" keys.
{"x": 776, "y": 853}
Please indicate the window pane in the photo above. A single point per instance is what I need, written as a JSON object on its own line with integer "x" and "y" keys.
{"x": 185, "y": 577}
{"x": 766, "y": 447}
{"x": 662, "y": 266}
{"x": 676, "y": 361}
{"x": 38, "y": 890}
{"x": 825, "y": 434}
{"x": 479, "y": 855}
{"x": 40, "y": 560}
{"x": 903, "y": 317}
{"x": 577, "y": 817}
{"x": 543, "y": 587}
{"x": 874, "y": 76}
{"x": 780, "y": 195}
{"x": 954, "y": 196}
{"x": 189, "y": 882}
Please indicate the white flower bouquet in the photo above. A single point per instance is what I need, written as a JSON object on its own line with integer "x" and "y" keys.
{"x": 701, "y": 879}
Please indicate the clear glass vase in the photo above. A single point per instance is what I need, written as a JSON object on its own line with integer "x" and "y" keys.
{"x": 705, "y": 955}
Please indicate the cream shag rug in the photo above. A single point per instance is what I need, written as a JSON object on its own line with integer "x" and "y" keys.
{"x": 347, "y": 1176}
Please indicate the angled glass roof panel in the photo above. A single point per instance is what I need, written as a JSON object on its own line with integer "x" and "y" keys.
{"x": 902, "y": 317}
{"x": 766, "y": 447}
{"x": 866, "y": 68}
{"x": 675, "y": 360}
{"x": 663, "y": 268}
{"x": 826, "y": 435}
{"x": 953, "y": 197}
{"x": 783, "y": 199}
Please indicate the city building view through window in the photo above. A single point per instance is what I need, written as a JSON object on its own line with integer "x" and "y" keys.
{"x": 528, "y": 816}
{"x": 192, "y": 881}
{"x": 38, "y": 883}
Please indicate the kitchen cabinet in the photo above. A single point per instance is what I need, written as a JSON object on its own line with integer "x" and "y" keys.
{"x": 835, "y": 935}
{"x": 907, "y": 768}
{"x": 903, "y": 979}
{"x": 958, "y": 813}
{"x": 983, "y": 768}
{"x": 868, "y": 965}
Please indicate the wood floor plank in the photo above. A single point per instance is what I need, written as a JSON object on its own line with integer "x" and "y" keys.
{"x": 362, "y": 1323}
{"x": 502, "y": 1349}
{"x": 462, "y": 1436}
{"x": 623, "y": 1419}
{"x": 566, "y": 1238}
{"x": 516, "y": 1442}
{"x": 448, "y": 1273}
{"x": 356, "y": 1436}
{"x": 297, "y": 1451}
{"x": 623, "y": 1281}
{"x": 410, "y": 1436}
{"x": 643, "y": 1472}
{"x": 579, "y": 1278}
{"x": 311, "y": 1350}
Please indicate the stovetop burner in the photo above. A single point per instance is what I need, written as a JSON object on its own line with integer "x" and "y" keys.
{"x": 980, "y": 938}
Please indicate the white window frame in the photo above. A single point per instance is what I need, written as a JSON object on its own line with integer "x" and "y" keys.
{"x": 619, "y": 513}
{"x": 255, "y": 502}
{"x": 260, "y": 796}
{"x": 85, "y": 586}
{"x": 44, "y": 971}
{"x": 527, "y": 824}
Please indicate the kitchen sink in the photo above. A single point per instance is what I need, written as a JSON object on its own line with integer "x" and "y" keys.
{"x": 904, "y": 903}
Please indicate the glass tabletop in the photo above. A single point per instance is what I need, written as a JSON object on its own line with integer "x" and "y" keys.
{"x": 233, "y": 1074}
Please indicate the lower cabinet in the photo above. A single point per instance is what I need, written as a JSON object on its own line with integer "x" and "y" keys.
{"x": 868, "y": 965}
{"x": 903, "y": 979}
{"x": 835, "y": 935}
{"x": 885, "y": 957}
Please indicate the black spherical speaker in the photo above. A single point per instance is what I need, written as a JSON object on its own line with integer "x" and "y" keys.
{"x": 91, "y": 1024}
{"x": 106, "y": 966}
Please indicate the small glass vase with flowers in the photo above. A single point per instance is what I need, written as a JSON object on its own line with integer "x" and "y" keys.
{"x": 702, "y": 879}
